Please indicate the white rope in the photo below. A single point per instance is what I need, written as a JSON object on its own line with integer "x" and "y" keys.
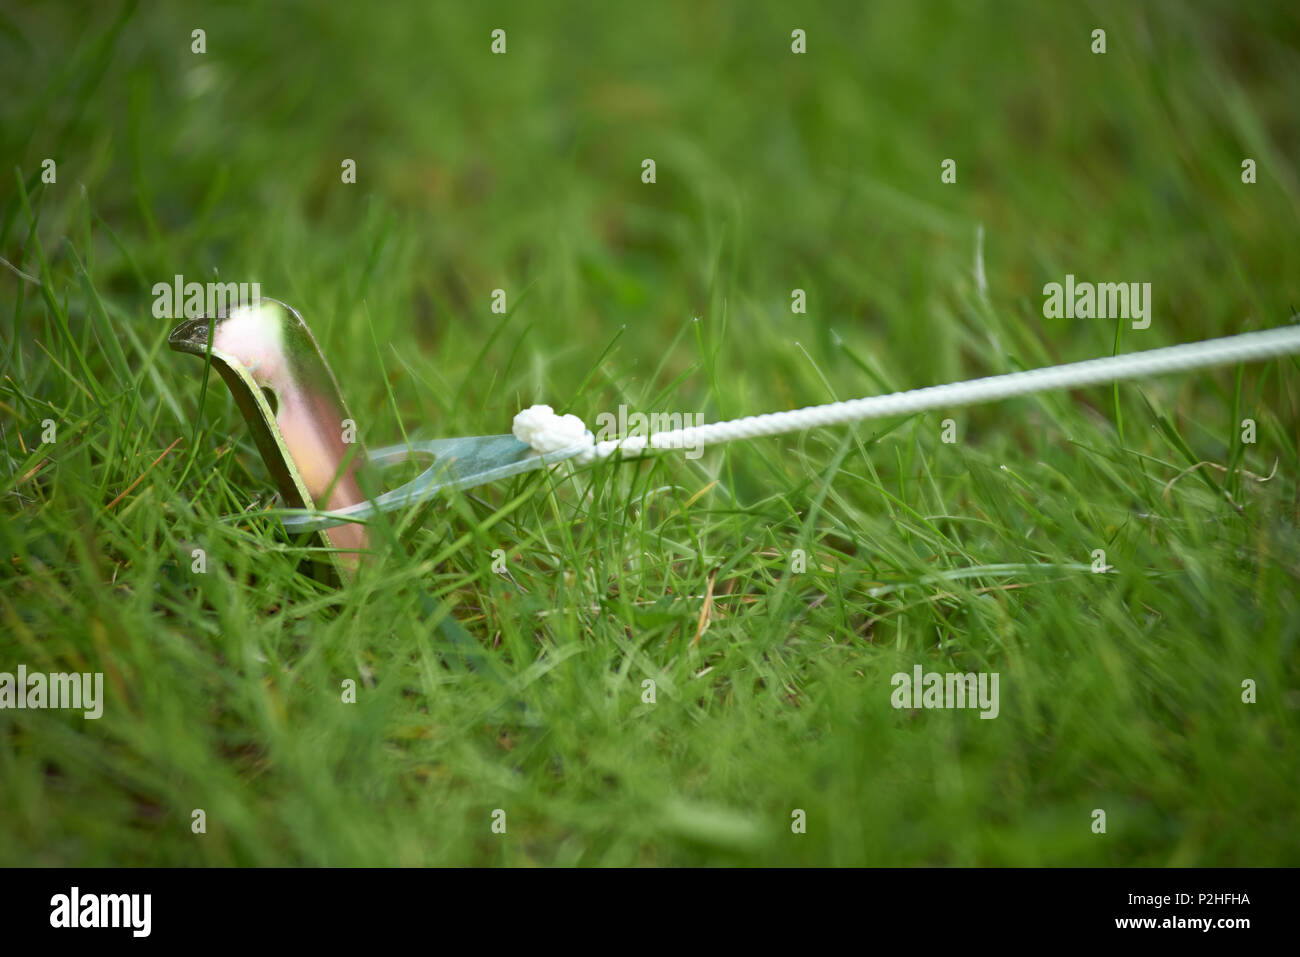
{"x": 546, "y": 432}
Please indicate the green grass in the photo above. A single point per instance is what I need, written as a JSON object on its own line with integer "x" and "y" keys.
{"x": 479, "y": 691}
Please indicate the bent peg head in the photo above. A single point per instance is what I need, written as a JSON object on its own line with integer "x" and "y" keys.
{"x": 291, "y": 401}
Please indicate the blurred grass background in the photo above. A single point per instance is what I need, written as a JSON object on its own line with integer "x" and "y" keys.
{"x": 775, "y": 171}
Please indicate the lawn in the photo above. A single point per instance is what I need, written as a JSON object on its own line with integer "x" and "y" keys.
{"x": 672, "y": 661}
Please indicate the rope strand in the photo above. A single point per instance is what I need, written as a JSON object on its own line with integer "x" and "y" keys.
{"x": 547, "y": 432}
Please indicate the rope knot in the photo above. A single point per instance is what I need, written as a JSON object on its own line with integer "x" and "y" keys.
{"x": 547, "y": 432}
